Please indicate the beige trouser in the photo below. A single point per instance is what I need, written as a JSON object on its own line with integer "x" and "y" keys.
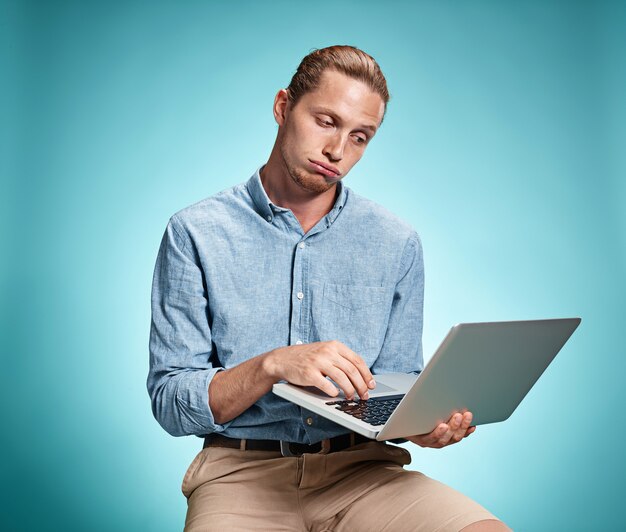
{"x": 363, "y": 488}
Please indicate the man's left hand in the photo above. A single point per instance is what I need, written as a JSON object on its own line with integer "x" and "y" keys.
{"x": 459, "y": 426}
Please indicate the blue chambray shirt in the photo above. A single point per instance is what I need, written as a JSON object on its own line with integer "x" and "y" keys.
{"x": 236, "y": 277}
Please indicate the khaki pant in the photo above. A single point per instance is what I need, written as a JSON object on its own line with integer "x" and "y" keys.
{"x": 364, "y": 488}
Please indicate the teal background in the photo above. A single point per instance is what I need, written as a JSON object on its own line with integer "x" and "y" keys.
{"x": 503, "y": 145}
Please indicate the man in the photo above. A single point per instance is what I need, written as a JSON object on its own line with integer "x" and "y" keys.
{"x": 292, "y": 276}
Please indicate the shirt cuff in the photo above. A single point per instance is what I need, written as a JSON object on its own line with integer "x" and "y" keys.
{"x": 192, "y": 400}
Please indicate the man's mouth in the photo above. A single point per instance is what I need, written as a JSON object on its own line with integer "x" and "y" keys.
{"x": 325, "y": 169}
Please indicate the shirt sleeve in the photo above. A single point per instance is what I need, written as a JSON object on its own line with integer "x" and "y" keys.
{"x": 402, "y": 347}
{"x": 181, "y": 367}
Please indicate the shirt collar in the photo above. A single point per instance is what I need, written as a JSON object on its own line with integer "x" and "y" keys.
{"x": 267, "y": 209}
{"x": 259, "y": 196}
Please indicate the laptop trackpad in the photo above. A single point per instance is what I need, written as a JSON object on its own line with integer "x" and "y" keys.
{"x": 382, "y": 388}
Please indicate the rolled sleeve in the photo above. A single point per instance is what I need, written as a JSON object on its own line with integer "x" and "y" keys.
{"x": 181, "y": 351}
{"x": 402, "y": 347}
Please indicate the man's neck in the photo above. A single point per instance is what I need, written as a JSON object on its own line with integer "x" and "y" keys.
{"x": 307, "y": 206}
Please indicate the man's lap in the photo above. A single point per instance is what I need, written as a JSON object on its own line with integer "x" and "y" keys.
{"x": 365, "y": 488}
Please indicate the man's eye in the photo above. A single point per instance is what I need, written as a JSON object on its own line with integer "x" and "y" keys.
{"x": 359, "y": 139}
{"x": 325, "y": 123}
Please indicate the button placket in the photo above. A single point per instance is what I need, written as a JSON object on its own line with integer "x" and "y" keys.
{"x": 298, "y": 290}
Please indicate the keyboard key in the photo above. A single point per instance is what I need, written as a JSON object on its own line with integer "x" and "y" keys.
{"x": 375, "y": 411}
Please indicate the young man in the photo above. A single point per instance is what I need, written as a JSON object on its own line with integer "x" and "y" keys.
{"x": 292, "y": 276}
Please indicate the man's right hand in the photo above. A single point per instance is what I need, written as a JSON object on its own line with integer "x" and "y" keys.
{"x": 234, "y": 390}
{"x": 310, "y": 364}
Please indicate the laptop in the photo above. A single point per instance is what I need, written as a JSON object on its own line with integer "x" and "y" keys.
{"x": 485, "y": 368}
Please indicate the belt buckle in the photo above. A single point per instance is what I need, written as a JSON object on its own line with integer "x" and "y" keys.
{"x": 285, "y": 448}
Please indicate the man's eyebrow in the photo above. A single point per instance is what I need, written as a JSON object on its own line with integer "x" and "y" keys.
{"x": 331, "y": 113}
{"x": 369, "y": 127}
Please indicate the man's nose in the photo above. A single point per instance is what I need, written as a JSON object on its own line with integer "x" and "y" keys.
{"x": 334, "y": 147}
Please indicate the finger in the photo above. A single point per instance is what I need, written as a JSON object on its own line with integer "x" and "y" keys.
{"x": 471, "y": 430}
{"x": 453, "y": 425}
{"x": 437, "y": 436}
{"x": 353, "y": 373}
{"x": 455, "y": 421}
{"x": 462, "y": 423}
{"x": 341, "y": 379}
{"x": 326, "y": 386}
{"x": 452, "y": 428}
{"x": 432, "y": 439}
{"x": 359, "y": 363}
{"x": 467, "y": 420}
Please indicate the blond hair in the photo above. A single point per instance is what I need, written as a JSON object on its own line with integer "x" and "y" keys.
{"x": 348, "y": 60}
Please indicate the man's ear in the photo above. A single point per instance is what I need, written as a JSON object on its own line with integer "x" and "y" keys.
{"x": 281, "y": 104}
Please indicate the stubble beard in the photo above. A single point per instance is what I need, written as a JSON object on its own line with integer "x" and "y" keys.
{"x": 301, "y": 178}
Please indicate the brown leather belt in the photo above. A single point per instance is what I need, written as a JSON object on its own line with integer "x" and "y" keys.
{"x": 338, "y": 443}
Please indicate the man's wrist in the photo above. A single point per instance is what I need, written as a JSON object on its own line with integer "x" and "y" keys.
{"x": 269, "y": 367}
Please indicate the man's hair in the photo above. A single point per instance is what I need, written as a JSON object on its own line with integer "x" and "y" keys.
{"x": 348, "y": 60}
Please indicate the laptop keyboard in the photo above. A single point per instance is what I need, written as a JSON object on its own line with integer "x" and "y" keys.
{"x": 375, "y": 411}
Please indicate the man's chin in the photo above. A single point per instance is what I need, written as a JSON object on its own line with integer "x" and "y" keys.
{"x": 313, "y": 182}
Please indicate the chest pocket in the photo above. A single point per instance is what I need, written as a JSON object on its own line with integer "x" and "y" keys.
{"x": 355, "y": 315}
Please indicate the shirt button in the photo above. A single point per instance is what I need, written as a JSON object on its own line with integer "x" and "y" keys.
{"x": 299, "y": 295}
{"x": 309, "y": 421}
{"x": 301, "y": 245}
{"x": 299, "y": 342}
{"x": 269, "y": 218}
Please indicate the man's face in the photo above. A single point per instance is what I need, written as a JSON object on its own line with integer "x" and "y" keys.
{"x": 326, "y": 132}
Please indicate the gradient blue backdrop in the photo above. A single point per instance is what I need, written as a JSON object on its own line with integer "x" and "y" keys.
{"x": 503, "y": 146}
